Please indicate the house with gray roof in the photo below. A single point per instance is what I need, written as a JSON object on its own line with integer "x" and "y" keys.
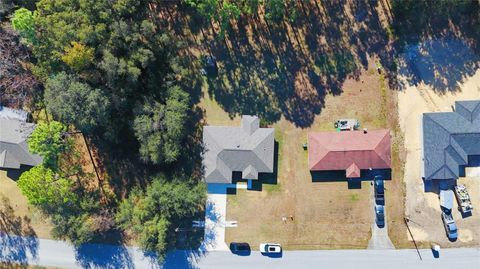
{"x": 450, "y": 140}
{"x": 13, "y": 114}
{"x": 14, "y": 132}
{"x": 248, "y": 149}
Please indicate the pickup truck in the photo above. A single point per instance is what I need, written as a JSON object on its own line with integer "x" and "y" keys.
{"x": 450, "y": 226}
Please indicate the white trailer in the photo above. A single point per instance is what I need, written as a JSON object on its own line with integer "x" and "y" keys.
{"x": 463, "y": 199}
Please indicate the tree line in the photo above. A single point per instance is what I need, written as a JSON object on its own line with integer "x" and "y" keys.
{"x": 110, "y": 72}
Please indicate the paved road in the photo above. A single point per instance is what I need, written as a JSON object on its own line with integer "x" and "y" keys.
{"x": 369, "y": 259}
{"x": 61, "y": 254}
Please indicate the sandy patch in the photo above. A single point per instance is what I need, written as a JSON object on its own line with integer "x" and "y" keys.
{"x": 423, "y": 97}
{"x": 418, "y": 234}
{"x": 465, "y": 235}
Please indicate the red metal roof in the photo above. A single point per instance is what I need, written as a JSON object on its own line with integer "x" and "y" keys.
{"x": 349, "y": 150}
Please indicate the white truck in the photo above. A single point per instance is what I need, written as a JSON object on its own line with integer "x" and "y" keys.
{"x": 463, "y": 199}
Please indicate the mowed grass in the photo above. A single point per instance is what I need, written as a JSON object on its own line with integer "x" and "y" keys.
{"x": 319, "y": 215}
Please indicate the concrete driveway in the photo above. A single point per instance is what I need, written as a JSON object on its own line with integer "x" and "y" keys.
{"x": 380, "y": 239}
{"x": 216, "y": 210}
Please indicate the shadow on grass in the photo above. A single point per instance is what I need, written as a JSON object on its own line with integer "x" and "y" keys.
{"x": 437, "y": 41}
{"x": 287, "y": 68}
{"x": 18, "y": 240}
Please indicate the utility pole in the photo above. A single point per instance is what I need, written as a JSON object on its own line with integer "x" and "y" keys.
{"x": 415, "y": 243}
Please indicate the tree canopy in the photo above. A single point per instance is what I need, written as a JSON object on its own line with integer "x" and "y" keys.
{"x": 75, "y": 102}
{"x": 149, "y": 214}
{"x": 45, "y": 189}
{"x": 78, "y": 56}
{"x": 111, "y": 72}
{"x": 156, "y": 127}
{"x": 23, "y": 21}
{"x": 47, "y": 141}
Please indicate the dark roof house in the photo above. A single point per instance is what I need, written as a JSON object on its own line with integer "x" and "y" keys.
{"x": 248, "y": 149}
{"x": 350, "y": 151}
{"x": 14, "y": 132}
{"x": 449, "y": 139}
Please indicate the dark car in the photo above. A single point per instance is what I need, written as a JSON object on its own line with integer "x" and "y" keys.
{"x": 242, "y": 249}
{"x": 380, "y": 215}
{"x": 379, "y": 189}
{"x": 210, "y": 65}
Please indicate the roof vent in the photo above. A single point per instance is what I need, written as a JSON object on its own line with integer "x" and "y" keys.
{"x": 365, "y": 130}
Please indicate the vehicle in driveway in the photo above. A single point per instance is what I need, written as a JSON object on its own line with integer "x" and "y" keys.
{"x": 380, "y": 215}
{"x": 450, "y": 226}
{"x": 379, "y": 190}
{"x": 242, "y": 249}
{"x": 270, "y": 248}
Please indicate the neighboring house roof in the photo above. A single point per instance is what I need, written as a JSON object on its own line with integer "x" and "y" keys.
{"x": 13, "y": 145}
{"x": 349, "y": 150}
{"x": 13, "y": 114}
{"x": 248, "y": 149}
{"x": 449, "y": 138}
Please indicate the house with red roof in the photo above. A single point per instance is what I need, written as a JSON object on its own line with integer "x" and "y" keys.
{"x": 351, "y": 151}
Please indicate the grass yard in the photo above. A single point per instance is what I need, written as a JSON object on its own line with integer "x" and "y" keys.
{"x": 17, "y": 216}
{"x": 325, "y": 215}
{"x": 300, "y": 76}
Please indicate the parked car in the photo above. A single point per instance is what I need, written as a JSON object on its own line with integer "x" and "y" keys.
{"x": 380, "y": 215}
{"x": 210, "y": 65}
{"x": 450, "y": 226}
{"x": 379, "y": 190}
{"x": 267, "y": 248}
{"x": 240, "y": 248}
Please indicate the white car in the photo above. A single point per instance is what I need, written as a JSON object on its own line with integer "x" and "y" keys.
{"x": 270, "y": 248}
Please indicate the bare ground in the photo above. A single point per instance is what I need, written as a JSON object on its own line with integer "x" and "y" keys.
{"x": 424, "y": 208}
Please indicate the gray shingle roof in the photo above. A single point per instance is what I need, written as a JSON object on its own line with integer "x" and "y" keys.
{"x": 248, "y": 149}
{"x": 13, "y": 114}
{"x": 449, "y": 138}
{"x": 13, "y": 145}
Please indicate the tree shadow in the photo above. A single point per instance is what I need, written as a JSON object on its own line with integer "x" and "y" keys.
{"x": 437, "y": 42}
{"x": 103, "y": 256}
{"x": 182, "y": 259}
{"x": 287, "y": 68}
{"x": 441, "y": 63}
{"x": 18, "y": 240}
